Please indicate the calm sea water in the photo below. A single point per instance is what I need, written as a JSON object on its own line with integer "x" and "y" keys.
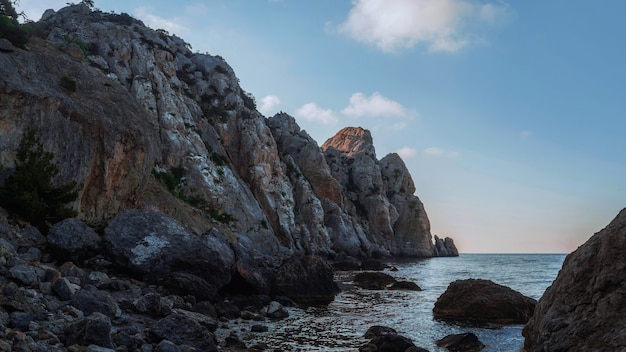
{"x": 340, "y": 326}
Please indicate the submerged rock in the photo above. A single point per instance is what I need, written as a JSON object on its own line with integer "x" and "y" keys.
{"x": 585, "y": 307}
{"x": 478, "y": 302}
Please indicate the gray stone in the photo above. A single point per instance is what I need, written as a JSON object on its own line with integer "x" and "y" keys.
{"x": 90, "y": 300}
{"x": 28, "y": 275}
{"x": 276, "y": 311}
{"x": 73, "y": 240}
{"x": 64, "y": 289}
{"x": 94, "y": 329}
{"x": 180, "y": 328}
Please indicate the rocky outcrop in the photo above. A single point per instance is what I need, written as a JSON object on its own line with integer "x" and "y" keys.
{"x": 584, "y": 308}
{"x": 140, "y": 121}
{"x": 380, "y": 194}
{"x": 482, "y": 302}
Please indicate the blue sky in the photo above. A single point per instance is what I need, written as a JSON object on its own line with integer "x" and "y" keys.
{"x": 510, "y": 115}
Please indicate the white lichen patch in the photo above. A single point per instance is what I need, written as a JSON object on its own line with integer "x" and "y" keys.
{"x": 148, "y": 248}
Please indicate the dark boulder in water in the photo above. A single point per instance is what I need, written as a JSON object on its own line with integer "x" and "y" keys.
{"x": 386, "y": 339}
{"x": 585, "y": 309}
{"x": 482, "y": 302}
{"x": 461, "y": 342}
{"x": 405, "y": 285}
{"x": 373, "y": 280}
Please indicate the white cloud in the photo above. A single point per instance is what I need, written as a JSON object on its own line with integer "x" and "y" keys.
{"x": 269, "y": 104}
{"x": 442, "y": 25}
{"x": 374, "y": 106}
{"x": 406, "y": 152}
{"x": 313, "y": 113}
{"x": 438, "y": 152}
{"x": 155, "y": 22}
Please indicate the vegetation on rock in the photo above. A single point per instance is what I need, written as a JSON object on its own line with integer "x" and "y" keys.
{"x": 29, "y": 193}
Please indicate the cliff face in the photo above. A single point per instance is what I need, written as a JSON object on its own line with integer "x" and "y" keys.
{"x": 584, "y": 308}
{"x": 144, "y": 103}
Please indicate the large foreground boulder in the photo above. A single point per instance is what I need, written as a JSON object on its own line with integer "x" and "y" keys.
{"x": 585, "y": 308}
{"x": 157, "y": 248}
{"x": 482, "y": 302}
{"x": 307, "y": 280}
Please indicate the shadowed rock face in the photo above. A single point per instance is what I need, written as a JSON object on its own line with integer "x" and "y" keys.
{"x": 145, "y": 103}
{"x": 584, "y": 309}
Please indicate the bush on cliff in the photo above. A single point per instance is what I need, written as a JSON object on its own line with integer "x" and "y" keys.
{"x": 29, "y": 193}
{"x": 9, "y": 26}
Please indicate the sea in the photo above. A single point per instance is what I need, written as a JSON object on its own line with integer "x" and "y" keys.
{"x": 340, "y": 326}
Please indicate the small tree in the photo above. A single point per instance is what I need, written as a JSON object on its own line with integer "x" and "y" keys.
{"x": 29, "y": 192}
{"x": 9, "y": 26}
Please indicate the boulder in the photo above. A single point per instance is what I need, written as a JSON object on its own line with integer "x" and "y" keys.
{"x": 466, "y": 342}
{"x": 73, "y": 240}
{"x": 307, "y": 280}
{"x": 584, "y": 309}
{"x": 94, "y": 329}
{"x": 156, "y": 247}
{"x": 276, "y": 311}
{"x": 64, "y": 289}
{"x": 480, "y": 302}
{"x": 90, "y": 300}
{"x": 405, "y": 285}
{"x": 180, "y": 328}
{"x": 373, "y": 280}
{"x": 385, "y": 339}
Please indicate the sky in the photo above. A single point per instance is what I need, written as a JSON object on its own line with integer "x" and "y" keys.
{"x": 510, "y": 115}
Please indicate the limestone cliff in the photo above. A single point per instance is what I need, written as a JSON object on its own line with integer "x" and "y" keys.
{"x": 143, "y": 104}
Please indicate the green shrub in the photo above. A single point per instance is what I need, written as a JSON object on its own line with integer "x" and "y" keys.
{"x": 68, "y": 83}
{"x": 29, "y": 193}
{"x": 11, "y": 30}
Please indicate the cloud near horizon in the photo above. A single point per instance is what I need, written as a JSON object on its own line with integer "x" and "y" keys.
{"x": 373, "y": 106}
{"x": 269, "y": 104}
{"x": 406, "y": 152}
{"x": 442, "y": 25}
{"x": 313, "y": 113}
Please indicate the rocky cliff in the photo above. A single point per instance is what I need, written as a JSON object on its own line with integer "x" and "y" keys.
{"x": 142, "y": 106}
{"x": 584, "y": 308}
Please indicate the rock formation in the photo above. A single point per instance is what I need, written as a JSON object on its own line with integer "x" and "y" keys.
{"x": 584, "y": 308}
{"x": 125, "y": 108}
{"x": 482, "y": 302}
